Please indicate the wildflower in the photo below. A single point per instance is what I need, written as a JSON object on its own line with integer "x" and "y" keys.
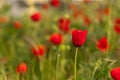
{"x": 117, "y": 21}
{"x": 3, "y": 19}
{"x": 39, "y": 50}
{"x": 117, "y": 29}
{"x": 86, "y": 1}
{"x": 45, "y": 6}
{"x": 107, "y": 11}
{"x": 64, "y": 24}
{"x": 55, "y": 3}
{"x": 115, "y": 73}
{"x": 56, "y": 38}
{"x": 21, "y": 68}
{"x": 103, "y": 44}
{"x": 87, "y": 20}
{"x": 36, "y": 17}
{"x": 79, "y": 37}
{"x": 17, "y": 24}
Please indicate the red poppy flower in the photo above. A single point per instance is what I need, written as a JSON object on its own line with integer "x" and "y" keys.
{"x": 107, "y": 11}
{"x": 3, "y": 19}
{"x": 64, "y": 20}
{"x": 45, "y": 6}
{"x": 79, "y": 37}
{"x": 64, "y": 27}
{"x": 64, "y": 24}
{"x": 21, "y": 68}
{"x": 87, "y": 20}
{"x": 56, "y": 38}
{"x": 117, "y": 21}
{"x": 36, "y": 17}
{"x": 86, "y": 1}
{"x": 39, "y": 50}
{"x": 103, "y": 44}
{"x": 77, "y": 13}
{"x": 17, "y": 25}
{"x": 55, "y": 3}
{"x": 115, "y": 73}
{"x": 117, "y": 29}
{"x": 72, "y": 6}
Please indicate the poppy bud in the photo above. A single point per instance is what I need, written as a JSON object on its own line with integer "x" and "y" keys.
{"x": 79, "y": 37}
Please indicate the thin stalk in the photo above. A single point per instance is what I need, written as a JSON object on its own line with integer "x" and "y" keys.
{"x": 18, "y": 77}
{"x": 75, "y": 62}
{"x": 93, "y": 74}
{"x": 109, "y": 23}
{"x": 71, "y": 78}
{"x": 57, "y": 66}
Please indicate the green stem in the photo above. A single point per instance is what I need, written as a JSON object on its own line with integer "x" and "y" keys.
{"x": 71, "y": 78}
{"x": 18, "y": 77}
{"x": 93, "y": 74}
{"x": 57, "y": 66}
{"x": 75, "y": 62}
{"x": 109, "y": 23}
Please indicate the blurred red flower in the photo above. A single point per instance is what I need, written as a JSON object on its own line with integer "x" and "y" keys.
{"x": 107, "y": 11}
{"x": 56, "y": 38}
{"x": 55, "y": 3}
{"x": 64, "y": 20}
{"x": 117, "y": 21}
{"x": 117, "y": 29}
{"x": 86, "y": 1}
{"x": 103, "y": 44}
{"x": 64, "y": 24}
{"x": 21, "y": 68}
{"x": 115, "y": 73}
{"x": 3, "y": 19}
{"x": 77, "y": 13}
{"x": 72, "y": 6}
{"x": 17, "y": 25}
{"x": 45, "y": 6}
{"x": 39, "y": 50}
{"x": 79, "y": 37}
{"x": 87, "y": 20}
{"x": 36, "y": 17}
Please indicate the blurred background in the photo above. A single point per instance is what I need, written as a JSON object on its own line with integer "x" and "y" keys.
{"x": 36, "y": 39}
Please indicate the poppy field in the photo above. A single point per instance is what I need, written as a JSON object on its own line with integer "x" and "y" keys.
{"x": 60, "y": 40}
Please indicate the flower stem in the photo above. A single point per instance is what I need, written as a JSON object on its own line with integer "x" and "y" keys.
{"x": 18, "y": 77}
{"x": 75, "y": 62}
{"x": 93, "y": 74}
{"x": 57, "y": 66}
